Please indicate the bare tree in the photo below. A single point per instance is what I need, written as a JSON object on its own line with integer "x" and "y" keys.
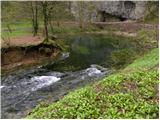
{"x": 81, "y": 14}
{"x": 45, "y": 17}
{"x": 34, "y": 9}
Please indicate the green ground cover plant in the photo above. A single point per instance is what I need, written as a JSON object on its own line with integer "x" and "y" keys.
{"x": 120, "y": 95}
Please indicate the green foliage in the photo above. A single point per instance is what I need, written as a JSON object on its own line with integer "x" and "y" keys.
{"x": 92, "y": 28}
{"x": 65, "y": 29}
{"x": 147, "y": 38}
{"x": 144, "y": 41}
{"x": 49, "y": 42}
{"x": 62, "y": 45}
{"x": 79, "y": 104}
{"x": 152, "y": 12}
{"x": 146, "y": 62}
{"x": 18, "y": 29}
{"x": 20, "y": 12}
{"x": 122, "y": 57}
{"x": 121, "y": 95}
{"x": 59, "y": 11}
{"x": 9, "y": 11}
{"x": 57, "y": 43}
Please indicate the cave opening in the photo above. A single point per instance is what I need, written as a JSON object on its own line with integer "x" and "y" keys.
{"x": 106, "y": 17}
{"x": 129, "y": 6}
{"x": 122, "y": 19}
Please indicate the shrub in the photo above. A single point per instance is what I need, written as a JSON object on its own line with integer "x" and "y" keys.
{"x": 148, "y": 38}
{"x": 122, "y": 57}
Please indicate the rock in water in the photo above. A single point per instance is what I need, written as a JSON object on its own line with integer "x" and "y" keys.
{"x": 43, "y": 81}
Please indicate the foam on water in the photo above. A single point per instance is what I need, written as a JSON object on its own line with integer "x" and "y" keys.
{"x": 1, "y": 87}
{"x": 43, "y": 81}
{"x": 93, "y": 71}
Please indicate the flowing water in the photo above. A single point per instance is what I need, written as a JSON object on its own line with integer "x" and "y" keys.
{"x": 87, "y": 61}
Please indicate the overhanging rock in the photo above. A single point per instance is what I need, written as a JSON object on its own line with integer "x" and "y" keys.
{"x": 102, "y": 11}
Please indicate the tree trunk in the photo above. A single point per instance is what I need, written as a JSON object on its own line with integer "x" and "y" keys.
{"x": 34, "y": 10}
{"x": 81, "y": 17}
{"x": 44, "y": 6}
{"x": 58, "y": 23}
{"x": 69, "y": 6}
{"x": 36, "y": 19}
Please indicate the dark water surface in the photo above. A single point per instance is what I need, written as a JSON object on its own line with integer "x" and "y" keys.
{"x": 87, "y": 60}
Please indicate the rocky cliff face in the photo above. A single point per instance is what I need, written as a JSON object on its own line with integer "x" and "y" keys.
{"x": 109, "y": 10}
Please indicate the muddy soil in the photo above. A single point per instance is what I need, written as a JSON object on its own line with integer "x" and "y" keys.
{"x": 14, "y": 57}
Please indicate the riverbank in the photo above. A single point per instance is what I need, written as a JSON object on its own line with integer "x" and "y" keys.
{"x": 21, "y": 55}
{"x": 121, "y": 95}
{"x": 15, "y": 57}
{"x": 18, "y": 57}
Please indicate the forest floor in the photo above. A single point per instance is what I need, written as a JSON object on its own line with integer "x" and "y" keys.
{"x": 23, "y": 41}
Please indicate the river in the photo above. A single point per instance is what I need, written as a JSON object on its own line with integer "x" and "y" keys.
{"x": 87, "y": 61}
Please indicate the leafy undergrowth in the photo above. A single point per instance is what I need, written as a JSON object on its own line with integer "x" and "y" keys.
{"x": 131, "y": 94}
{"x": 148, "y": 61}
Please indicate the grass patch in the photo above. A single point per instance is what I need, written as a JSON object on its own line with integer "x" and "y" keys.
{"x": 121, "y": 95}
{"x": 17, "y": 33}
{"x": 122, "y": 57}
{"x": 65, "y": 29}
{"x": 17, "y": 29}
{"x": 146, "y": 62}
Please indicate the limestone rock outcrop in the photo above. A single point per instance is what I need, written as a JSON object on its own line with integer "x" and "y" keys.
{"x": 105, "y": 10}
